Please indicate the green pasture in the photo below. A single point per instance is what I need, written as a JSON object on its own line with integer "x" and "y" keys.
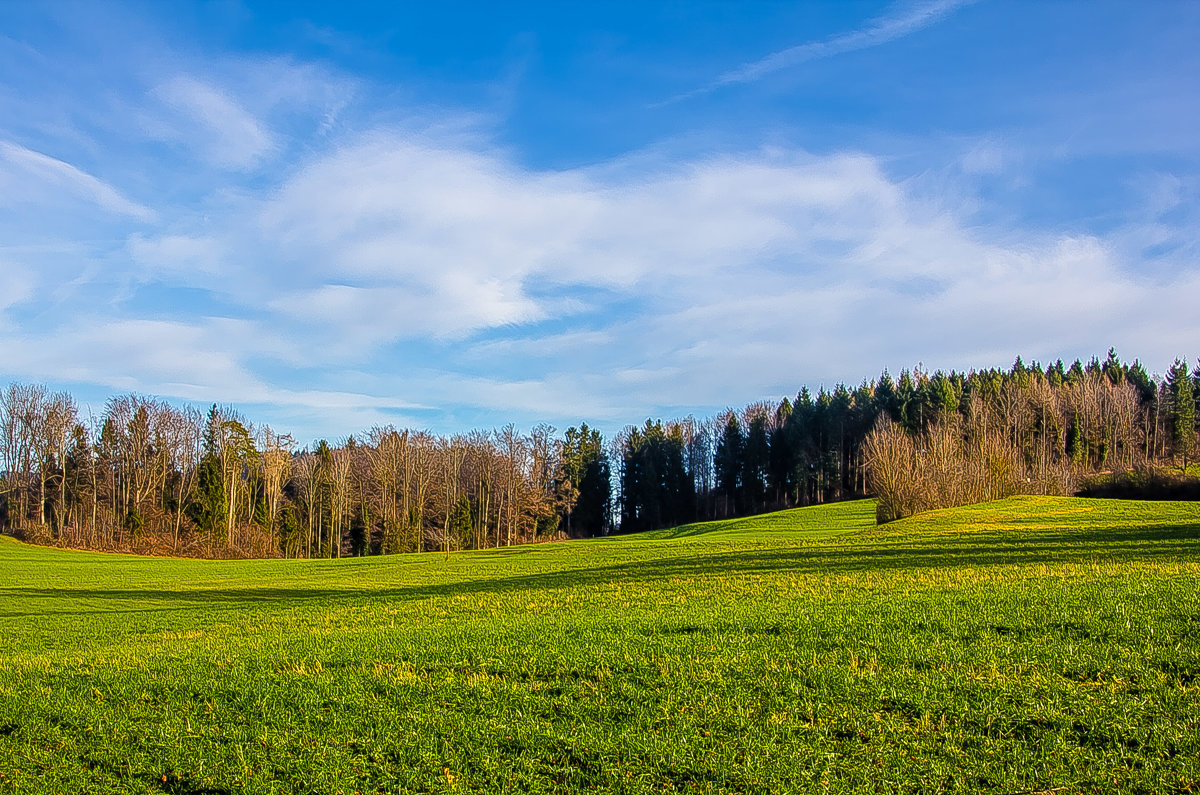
{"x": 1023, "y": 646}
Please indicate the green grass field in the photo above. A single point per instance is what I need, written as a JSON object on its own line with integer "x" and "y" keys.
{"x": 1025, "y": 646}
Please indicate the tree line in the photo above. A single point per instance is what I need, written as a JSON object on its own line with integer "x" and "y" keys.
{"x": 919, "y": 441}
{"x": 1034, "y": 430}
{"x": 149, "y": 476}
{"x": 153, "y": 477}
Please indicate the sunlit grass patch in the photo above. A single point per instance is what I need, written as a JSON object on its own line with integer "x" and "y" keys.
{"x": 1034, "y": 644}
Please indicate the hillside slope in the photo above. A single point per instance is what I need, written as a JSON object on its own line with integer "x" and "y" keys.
{"x": 1030, "y": 644}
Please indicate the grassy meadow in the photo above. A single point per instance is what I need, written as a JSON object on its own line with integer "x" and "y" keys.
{"x": 1023, "y": 646}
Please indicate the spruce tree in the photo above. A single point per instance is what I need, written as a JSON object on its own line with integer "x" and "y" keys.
{"x": 908, "y": 413}
{"x": 208, "y": 506}
{"x": 1142, "y": 382}
{"x": 885, "y": 396}
{"x": 783, "y": 455}
{"x": 1181, "y": 411}
{"x": 209, "y": 503}
{"x": 585, "y": 465}
{"x": 729, "y": 463}
{"x": 756, "y": 459}
{"x": 1196, "y": 392}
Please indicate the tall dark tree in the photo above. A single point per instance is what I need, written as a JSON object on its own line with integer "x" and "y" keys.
{"x": 886, "y": 400}
{"x": 1181, "y": 411}
{"x": 209, "y": 505}
{"x": 585, "y": 468}
{"x": 1077, "y": 446}
{"x": 1137, "y": 376}
{"x": 1075, "y": 374}
{"x": 942, "y": 398}
{"x": 804, "y": 440}
{"x": 1056, "y": 374}
{"x": 679, "y": 495}
{"x": 656, "y": 488}
{"x": 781, "y": 472}
{"x": 756, "y": 459}
{"x": 728, "y": 464}
{"x": 1196, "y": 391}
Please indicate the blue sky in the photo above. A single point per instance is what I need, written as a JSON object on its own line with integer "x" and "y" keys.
{"x": 453, "y": 216}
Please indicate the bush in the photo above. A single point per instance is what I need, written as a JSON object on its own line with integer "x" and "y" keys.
{"x": 942, "y": 467}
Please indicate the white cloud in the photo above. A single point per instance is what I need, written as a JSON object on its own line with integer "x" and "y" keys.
{"x": 395, "y": 238}
{"x": 221, "y": 130}
{"x": 708, "y": 283}
{"x": 16, "y": 286}
{"x": 188, "y": 360}
{"x": 186, "y": 259}
{"x": 26, "y": 175}
{"x": 902, "y": 20}
{"x": 986, "y": 158}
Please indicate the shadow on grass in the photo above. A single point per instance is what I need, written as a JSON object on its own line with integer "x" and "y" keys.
{"x": 1168, "y": 542}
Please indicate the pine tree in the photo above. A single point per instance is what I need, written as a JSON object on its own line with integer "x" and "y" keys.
{"x": 208, "y": 506}
{"x": 1196, "y": 392}
{"x": 729, "y": 463}
{"x": 1142, "y": 382}
{"x": 907, "y": 403}
{"x": 942, "y": 398}
{"x": 1114, "y": 369}
{"x": 585, "y": 468}
{"x": 885, "y": 396}
{"x": 783, "y": 456}
{"x": 1181, "y": 411}
{"x": 756, "y": 459}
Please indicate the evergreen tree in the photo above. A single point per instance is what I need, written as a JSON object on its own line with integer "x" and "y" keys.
{"x": 1114, "y": 369}
{"x": 678, "y": 495}
{"x": 585, "y": 467}
{"x": 1196, "y": 391}
{"x": 756, "y": 458}
{"x": 208, "y": 507}
{"x": 907, "y": 414}
{"x": 1181, "y": 411}
{"x": 781, "y": 472}
{"x": 863, "y": 414}
{"x": 728, "y": 463}
{"x": 942, "y": 398}
{"x": 1056, "y": 374}
{"x": 840, "y": 444}
{"x": 885, "y": 397}
{"x": 460, "y": 523}
{"x": 1075, "y": 374}
{"x": 631, "y": 477}
{"x": 650, "y": 485}
{"x": 1019, "y": 372}
{"x": 803, "y": 437}
{"x": 1142, "y": 382}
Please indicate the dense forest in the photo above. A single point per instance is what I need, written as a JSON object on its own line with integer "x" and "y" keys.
{"x": 153, "y": 477}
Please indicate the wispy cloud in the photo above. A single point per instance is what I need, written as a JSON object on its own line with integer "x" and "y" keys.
{"x": 215, "y": 125}
{"x": 681, "y": 282}
{"x": 28, "y": 168}
{"x": 15, "y": 286}
{"x": 901, "y": 21}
